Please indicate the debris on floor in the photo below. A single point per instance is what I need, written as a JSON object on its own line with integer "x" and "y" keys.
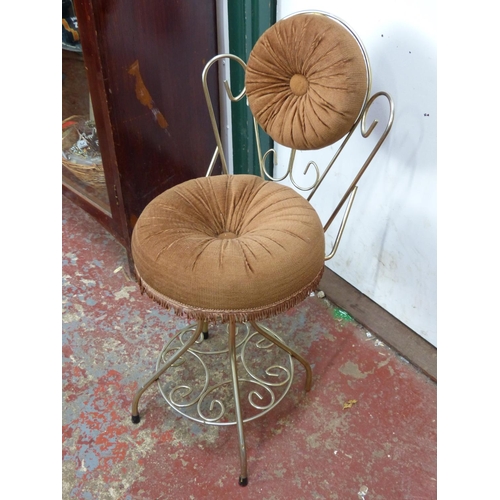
{"x": 349, "y": 404}
{"x": 362, "y": 492}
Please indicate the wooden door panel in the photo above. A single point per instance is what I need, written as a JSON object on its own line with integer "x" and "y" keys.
{"x": 152, "y": 54}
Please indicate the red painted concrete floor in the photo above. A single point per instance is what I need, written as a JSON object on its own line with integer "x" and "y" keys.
{"x": 308, "y": 447}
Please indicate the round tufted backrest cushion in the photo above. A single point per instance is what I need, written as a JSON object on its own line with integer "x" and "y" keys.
{"x": 306, "y": 81}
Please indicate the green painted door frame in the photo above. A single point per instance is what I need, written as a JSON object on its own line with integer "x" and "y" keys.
{"x": 247, "y": 19}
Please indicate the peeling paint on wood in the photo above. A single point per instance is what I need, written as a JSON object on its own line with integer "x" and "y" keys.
{"x": 144, "y": 96}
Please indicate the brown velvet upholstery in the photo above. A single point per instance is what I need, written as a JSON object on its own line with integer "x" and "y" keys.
{"x": 228, "y": 246}
{"x": 306, "y": 81}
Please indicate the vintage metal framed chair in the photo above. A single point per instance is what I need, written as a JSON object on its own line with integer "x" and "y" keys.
{"x": 230, "y": 250}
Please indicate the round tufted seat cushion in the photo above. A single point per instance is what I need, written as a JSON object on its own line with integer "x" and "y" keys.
{"x": 306, "y": 81}
{"x": 228, "y": 246}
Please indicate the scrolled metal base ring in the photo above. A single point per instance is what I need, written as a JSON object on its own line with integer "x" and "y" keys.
{"x": 199, "y": 385}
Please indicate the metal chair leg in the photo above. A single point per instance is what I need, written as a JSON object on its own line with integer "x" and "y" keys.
{"x": 135, "y": 403}
{"x": 205, "y": 330}
{"x": 243, "y": 479}
{"x": 287, "y": 349}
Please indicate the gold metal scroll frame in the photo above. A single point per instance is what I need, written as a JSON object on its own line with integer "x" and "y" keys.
{"x": 349, "y": 195}
{"x": 198, "y": 386}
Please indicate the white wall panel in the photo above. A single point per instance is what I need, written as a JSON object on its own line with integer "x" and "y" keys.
{"x": 389, "y": 248}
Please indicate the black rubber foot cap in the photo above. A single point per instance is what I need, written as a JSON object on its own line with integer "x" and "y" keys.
{"x": 243, "y": 481}
{"x": 205, "y": 335}
{"x": 136, "y": 419}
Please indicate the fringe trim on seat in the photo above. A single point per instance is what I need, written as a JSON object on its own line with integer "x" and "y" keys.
{"x": 223, "y": 316}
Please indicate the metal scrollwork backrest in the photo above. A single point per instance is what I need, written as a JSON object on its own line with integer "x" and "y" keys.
{"x": 349, "y": 195}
